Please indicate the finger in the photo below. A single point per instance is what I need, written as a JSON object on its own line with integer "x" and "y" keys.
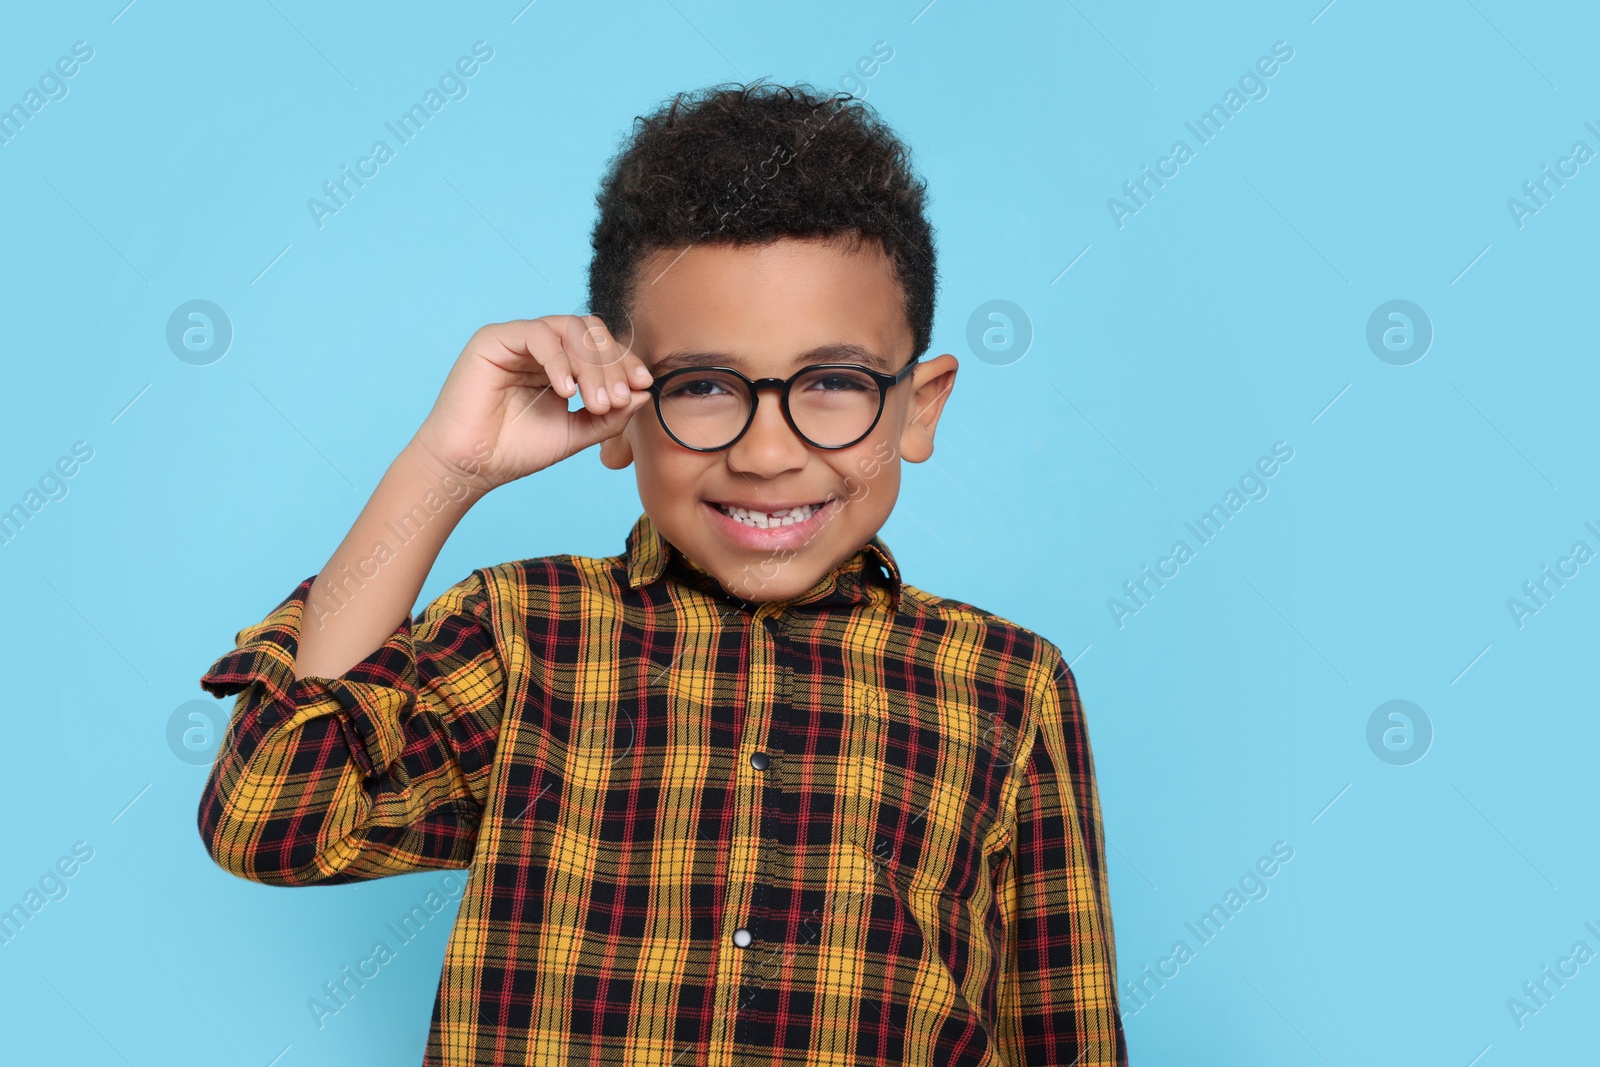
{"x": 630, "y": 364}
{"x": 591, "y": 381}
{"x": 609, "y": 354}
{"x": 532, "y": 345}
{"x": 621, "y": 334}
{"x": 589, "y": 428}
{"x": 633, "y": 369}
{"x": 636, "y": 370}
{"x": 583, "y": 348}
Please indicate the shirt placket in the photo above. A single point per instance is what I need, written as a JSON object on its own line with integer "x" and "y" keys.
{"x": 746, "y": 935}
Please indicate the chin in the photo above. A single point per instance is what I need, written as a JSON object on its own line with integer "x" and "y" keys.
{"x": 750, "y": 585}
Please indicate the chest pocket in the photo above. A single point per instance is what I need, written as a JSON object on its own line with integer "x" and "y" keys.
{"x": 913, "y": 783}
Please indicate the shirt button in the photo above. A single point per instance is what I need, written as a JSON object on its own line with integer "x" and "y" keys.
{"x": 741, "y": 937}
{"x": 759, "y": 760}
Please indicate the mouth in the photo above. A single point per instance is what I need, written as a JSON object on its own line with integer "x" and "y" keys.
{"x": 771, "y": 517}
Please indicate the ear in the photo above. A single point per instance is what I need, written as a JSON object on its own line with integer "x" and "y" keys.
{"x": 931, "y": 383}
{"x": 616, "y": 451}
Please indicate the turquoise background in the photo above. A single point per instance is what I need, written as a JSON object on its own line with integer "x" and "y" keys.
{"x": 1229, "y": 313}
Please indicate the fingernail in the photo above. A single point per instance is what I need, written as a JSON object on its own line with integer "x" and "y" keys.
{"x": 621, "y": 390}
{"x": 567, "y": 383}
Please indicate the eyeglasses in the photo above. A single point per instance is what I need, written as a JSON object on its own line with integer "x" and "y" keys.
{"x": 829, "y": 405}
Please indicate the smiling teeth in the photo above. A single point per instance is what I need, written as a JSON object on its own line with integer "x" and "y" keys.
{"x": 762, "y": 520}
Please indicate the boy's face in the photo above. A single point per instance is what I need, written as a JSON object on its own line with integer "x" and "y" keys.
{"x": 768, "y": 310}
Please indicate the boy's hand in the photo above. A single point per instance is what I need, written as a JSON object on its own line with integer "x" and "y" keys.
{"x": 502, "y": 413}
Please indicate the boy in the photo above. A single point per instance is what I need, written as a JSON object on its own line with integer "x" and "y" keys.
{"x": 736, "y": 794}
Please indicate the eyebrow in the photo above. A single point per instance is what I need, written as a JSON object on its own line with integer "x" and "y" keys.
{"x": 833, "y": 353}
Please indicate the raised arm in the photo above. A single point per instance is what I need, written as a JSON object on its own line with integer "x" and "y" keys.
{"x": 361, "y": 741}
{"x": 501, "y": 415}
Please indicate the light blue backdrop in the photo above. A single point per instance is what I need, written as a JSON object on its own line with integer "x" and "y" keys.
{"x": 1171, "y": 343}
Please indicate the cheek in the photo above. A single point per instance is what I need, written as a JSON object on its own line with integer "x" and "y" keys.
{"x": 879, "y": 455}
{"x": 672, "y": 476}
{"x": 871, "y": 473}
{"x": 885, "y": 483}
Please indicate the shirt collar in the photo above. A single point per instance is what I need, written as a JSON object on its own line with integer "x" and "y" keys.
{"x": 651, "y": 557}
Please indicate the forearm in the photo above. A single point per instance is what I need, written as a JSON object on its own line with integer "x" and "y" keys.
{"x": 374, "y": 577}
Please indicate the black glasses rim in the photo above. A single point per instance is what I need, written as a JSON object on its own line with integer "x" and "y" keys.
{"x": 885, "y": 382}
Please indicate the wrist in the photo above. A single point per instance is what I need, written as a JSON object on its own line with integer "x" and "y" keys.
{"x": 457, "y": 483}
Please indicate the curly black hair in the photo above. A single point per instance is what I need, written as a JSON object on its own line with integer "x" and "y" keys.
{"x": 748, "y": 164}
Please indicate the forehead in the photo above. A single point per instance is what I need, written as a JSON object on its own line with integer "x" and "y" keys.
{"x": 767, "y": 309}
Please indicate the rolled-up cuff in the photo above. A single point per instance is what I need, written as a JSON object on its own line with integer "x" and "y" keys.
{"x": 369, "y": 700}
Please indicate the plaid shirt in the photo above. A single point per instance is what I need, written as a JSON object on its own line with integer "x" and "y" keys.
{"x": 856, "y": 827}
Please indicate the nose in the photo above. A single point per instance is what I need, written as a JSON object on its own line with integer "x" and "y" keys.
{"x": 770, "y": 446}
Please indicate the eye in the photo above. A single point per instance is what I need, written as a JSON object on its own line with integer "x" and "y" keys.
{"x": 841, "y": 382}
{"x": 697, "y": 387}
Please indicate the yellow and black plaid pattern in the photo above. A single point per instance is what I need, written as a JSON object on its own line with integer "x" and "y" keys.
{"x": 856, "y": 827}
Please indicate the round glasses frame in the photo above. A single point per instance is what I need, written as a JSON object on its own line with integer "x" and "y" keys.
{"x": 885, "y": 382}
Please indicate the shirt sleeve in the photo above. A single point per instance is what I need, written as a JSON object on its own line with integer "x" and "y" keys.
{"x": 381, "y": 771}
{"x": 1057, "y": 997}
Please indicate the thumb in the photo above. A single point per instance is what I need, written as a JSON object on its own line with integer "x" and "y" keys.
{"x": 589, "y": 429}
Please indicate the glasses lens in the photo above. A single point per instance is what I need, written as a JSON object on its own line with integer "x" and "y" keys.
{"x": 706, "y": 409}
{"x": 833, "y": 406}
